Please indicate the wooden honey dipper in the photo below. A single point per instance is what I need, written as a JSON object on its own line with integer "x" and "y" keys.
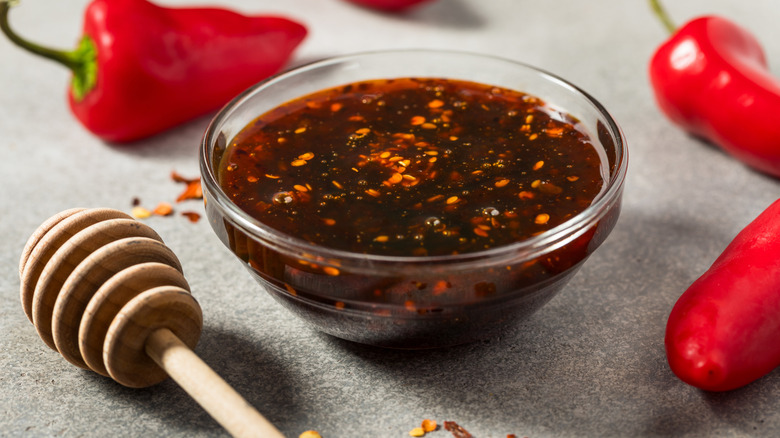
{"x": 104, "y": 291}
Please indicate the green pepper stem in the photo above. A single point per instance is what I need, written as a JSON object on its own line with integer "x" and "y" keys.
{"x": 82, "y": 61}
{"x": 662, "y": 15}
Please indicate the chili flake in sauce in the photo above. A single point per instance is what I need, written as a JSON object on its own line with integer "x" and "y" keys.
{"x": 413, "y": 167}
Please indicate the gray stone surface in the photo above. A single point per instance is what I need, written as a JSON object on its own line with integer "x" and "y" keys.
{"x": 590, "y": 363}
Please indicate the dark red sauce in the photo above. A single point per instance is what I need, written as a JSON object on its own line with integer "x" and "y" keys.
{"x": 413, "y": 167}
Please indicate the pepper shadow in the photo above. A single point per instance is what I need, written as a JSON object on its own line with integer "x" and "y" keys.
{"x": 680, "y": 249}
{"x": 258, "y": 376}
{"x": 749, "y": 406}
{"x": 745, "y": 411}
{"x": 455, "y": 14}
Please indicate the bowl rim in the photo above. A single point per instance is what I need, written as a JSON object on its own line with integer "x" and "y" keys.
{"x": 525, "y": 249}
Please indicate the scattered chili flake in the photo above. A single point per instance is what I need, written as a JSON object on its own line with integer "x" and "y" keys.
{"x": 417, "y": 432}
{"x": 140, "y": 212}
{"x": 191, "y": 215}
{"x": 163, "y": 209}
{"x": 193, "y": 189}
{"x": 417, "y": 120}
{"x": 435, "y": 103}
{"x": 429, "y": 425}
{"x": 456, "y": 430}
{"x": 452, "y": 200}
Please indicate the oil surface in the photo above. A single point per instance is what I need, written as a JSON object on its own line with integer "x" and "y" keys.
{"x": 412, "y": 167}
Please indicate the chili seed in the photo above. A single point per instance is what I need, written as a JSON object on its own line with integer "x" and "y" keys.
{"x": 417, "y": 432}
{"x": 541, "y": 219}
{"x": 331, "y": 271}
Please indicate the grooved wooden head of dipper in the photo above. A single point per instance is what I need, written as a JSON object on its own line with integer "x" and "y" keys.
{"x": 96, "y": 283}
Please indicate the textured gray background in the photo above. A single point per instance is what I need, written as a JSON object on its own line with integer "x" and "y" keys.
{"x": 591, "y": 363}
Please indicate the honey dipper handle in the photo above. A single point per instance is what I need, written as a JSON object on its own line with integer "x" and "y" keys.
{"x": 205, "y": 386}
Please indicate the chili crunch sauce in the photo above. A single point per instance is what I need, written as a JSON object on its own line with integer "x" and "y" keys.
{"x": 413, "y": 167}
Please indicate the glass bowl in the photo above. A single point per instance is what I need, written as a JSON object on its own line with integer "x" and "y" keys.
{"x": 412, "y": 302}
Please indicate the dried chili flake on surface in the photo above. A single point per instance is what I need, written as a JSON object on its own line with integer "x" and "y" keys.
{"x": 417, "y": 432}
{"x": 163, "y": 209}
{"x": 139, "y": 212}
{"x": 429, "y": 425}
{"x": 193, "y": 189}
{"x": 456, "y": 430}
{"x": 425, "y": 427}
{"x": 191, "y": 215}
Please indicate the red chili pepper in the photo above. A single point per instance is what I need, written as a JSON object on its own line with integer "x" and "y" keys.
{"x": 711, "y": 78}
{"x": 388, "y": 5}
{"x": 141, "y": 68}
{"x": 723, "y": 331}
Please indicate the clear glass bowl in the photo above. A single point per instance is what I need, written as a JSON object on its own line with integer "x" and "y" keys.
{"x": 486, "y": 292}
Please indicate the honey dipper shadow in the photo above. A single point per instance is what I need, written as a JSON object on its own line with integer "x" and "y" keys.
{"x": 258, "y": 376}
